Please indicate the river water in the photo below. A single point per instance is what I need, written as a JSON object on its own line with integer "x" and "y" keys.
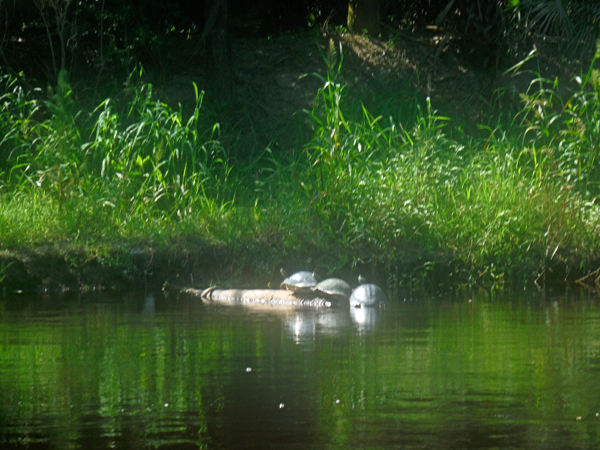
{"x": 146, "y": 371}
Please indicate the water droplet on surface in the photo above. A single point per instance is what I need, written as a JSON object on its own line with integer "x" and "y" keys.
{"x": 281, "y": 405}
{"x": 248, "y": 369}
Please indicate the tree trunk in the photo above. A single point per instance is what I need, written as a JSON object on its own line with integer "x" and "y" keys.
{"x": 219, "y": 48}
{"x": 364, "y": 15}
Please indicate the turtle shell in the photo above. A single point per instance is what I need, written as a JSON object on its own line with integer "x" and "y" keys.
{"x": 335, "y": 288}
{"x": 300, "y": 281}
{"x": 367, "y": 295}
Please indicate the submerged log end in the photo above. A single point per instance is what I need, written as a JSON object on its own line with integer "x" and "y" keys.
{"x": 206, "y": 293}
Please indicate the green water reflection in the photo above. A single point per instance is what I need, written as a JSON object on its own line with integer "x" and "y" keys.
{"x": 150, "y": 372}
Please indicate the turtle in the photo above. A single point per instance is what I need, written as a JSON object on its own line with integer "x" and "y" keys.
{"x": 334, "y": 288}
{"x": 367, "y": 295}
{"x": 302, "y": 281}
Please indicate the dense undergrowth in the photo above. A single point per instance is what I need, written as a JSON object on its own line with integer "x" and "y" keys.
{"x": 520, "y": 202}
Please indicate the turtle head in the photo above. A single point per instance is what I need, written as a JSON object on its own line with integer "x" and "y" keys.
{"x": 283, "y": 273}
{"x": 361, "y": 279}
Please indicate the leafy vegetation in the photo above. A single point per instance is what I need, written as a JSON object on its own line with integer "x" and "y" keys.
{"x": 364, "y": 188}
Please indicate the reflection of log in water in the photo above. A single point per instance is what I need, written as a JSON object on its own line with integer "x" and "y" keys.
{"x": 259, "y": 297}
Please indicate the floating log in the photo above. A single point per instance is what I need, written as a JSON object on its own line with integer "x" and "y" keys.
{"x": 264, "y": 297}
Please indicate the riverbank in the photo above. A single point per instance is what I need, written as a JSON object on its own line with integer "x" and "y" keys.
{"x": 136, "y": 193}
{"x": 64, "y": 269}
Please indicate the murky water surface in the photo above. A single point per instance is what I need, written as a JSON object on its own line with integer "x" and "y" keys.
{"x": 146, "y": 372}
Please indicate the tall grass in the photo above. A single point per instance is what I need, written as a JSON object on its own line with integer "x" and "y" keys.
{"x": 117, "y": 162}
{"x": 523, "y": 199}
{"x": 364, "y": 188}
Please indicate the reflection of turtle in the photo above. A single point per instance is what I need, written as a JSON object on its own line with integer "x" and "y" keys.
{"x": 367, "y": 295}
{"x": 299, "y": 282}
{"x": 334, "y": 288}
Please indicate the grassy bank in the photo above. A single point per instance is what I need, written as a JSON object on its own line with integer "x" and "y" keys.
{"x": 408, "y": 199}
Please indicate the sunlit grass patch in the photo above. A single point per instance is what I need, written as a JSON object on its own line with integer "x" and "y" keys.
{"x": 514, "y": 200}
{"x": 363, "y": 188}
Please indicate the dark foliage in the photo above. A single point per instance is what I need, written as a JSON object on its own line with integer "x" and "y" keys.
{"x": 111, "y": 36}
